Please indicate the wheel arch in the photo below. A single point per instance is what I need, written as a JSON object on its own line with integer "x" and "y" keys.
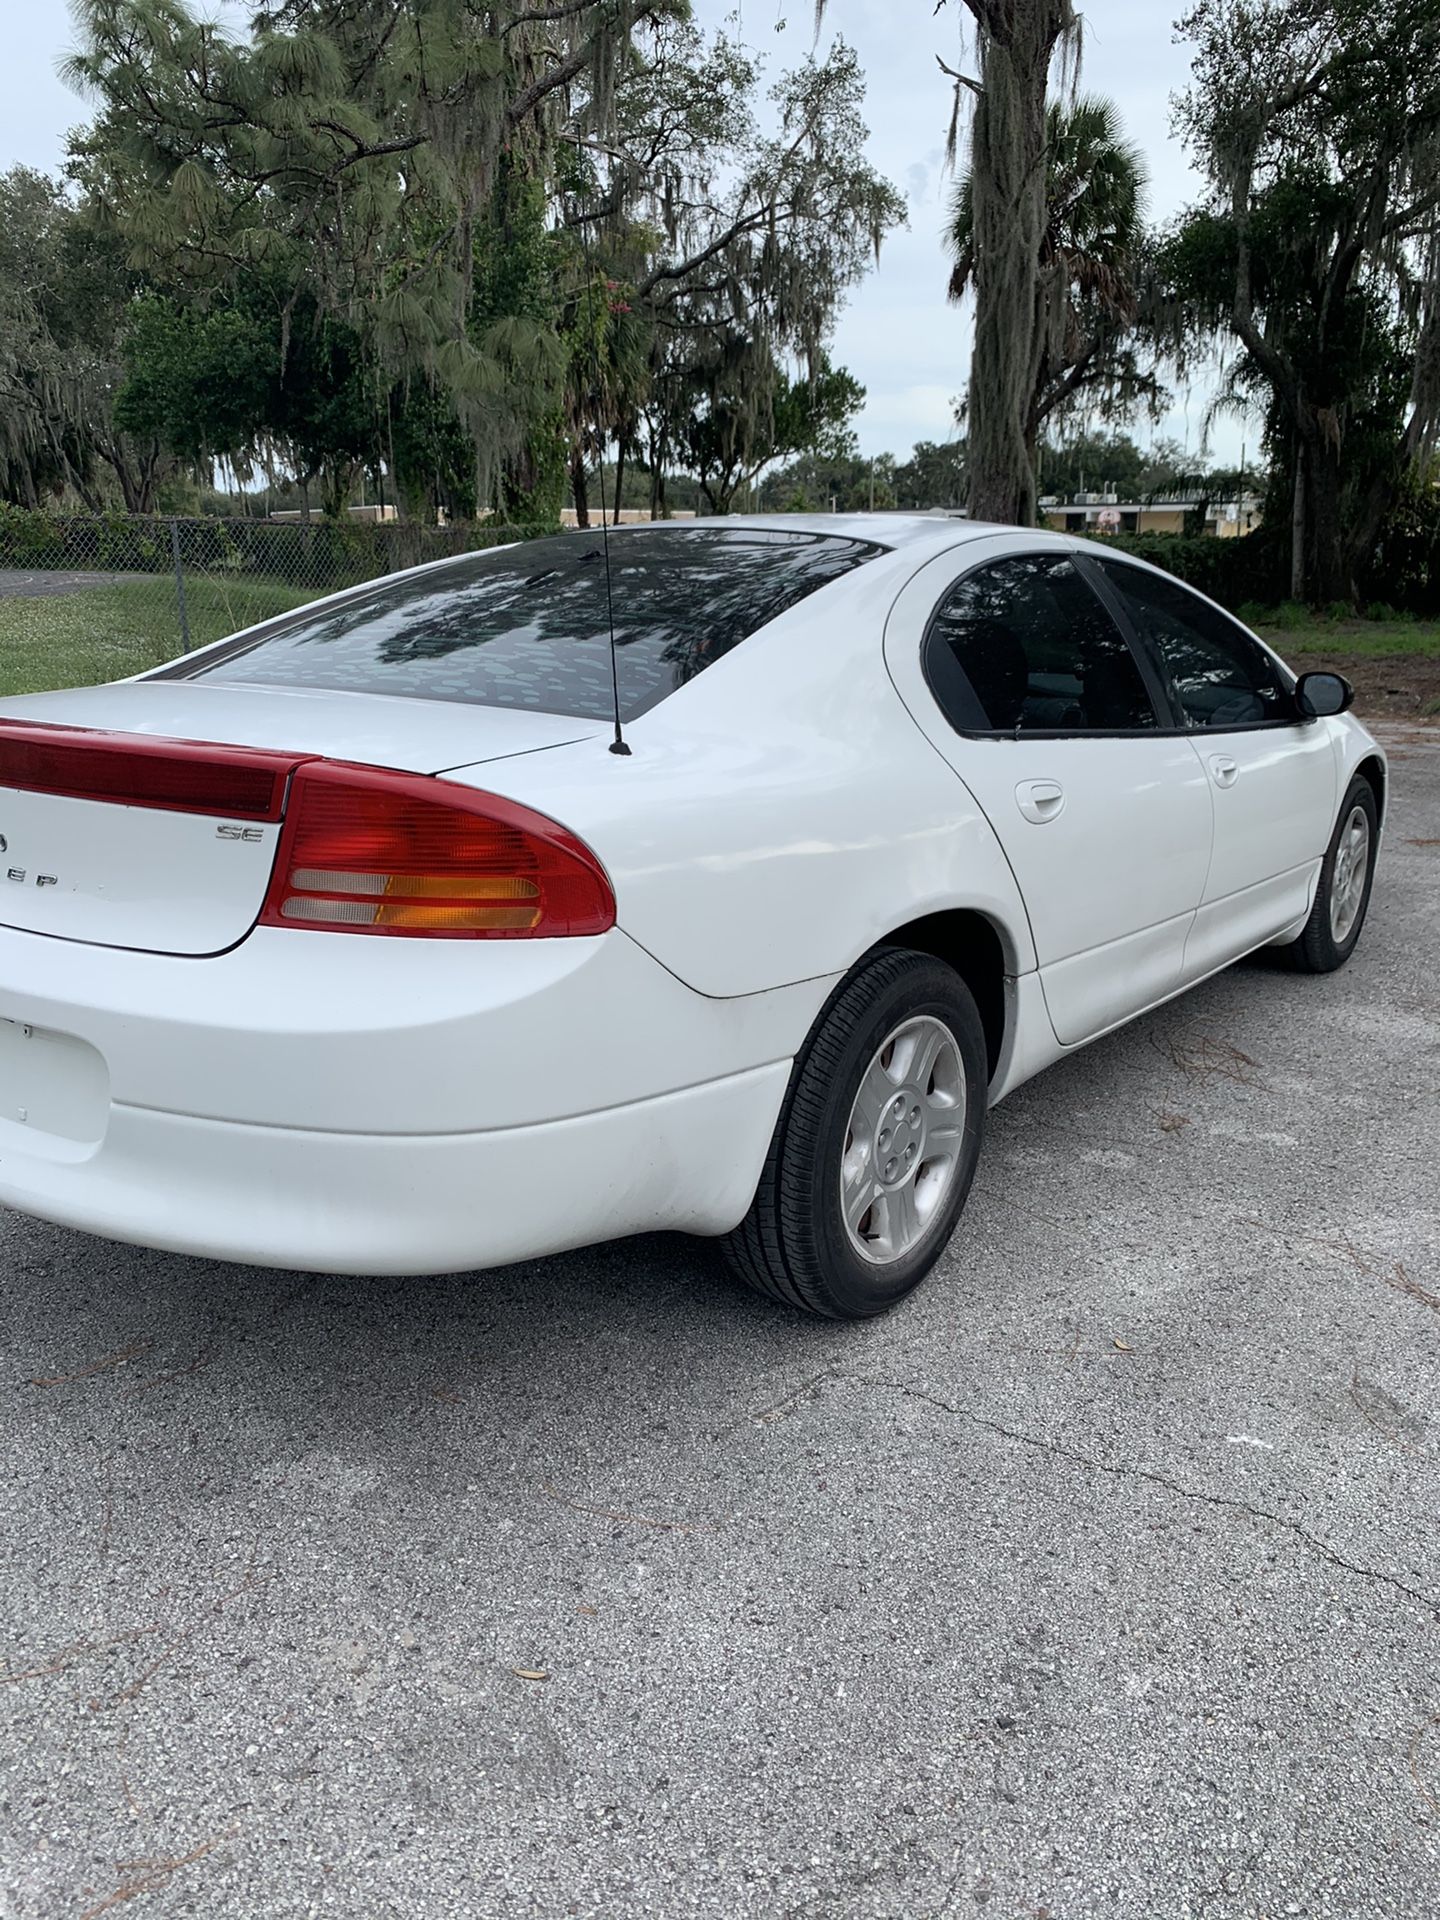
{"x": 1372, "y": 770}
{"x": 981, "y": 951}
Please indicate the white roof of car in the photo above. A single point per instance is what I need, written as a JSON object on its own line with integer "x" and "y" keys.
{"x": 909, "y": 530}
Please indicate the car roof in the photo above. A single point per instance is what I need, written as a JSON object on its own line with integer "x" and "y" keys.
{"x": 932, "y": 532}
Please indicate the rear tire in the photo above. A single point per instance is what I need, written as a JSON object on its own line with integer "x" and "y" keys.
{"x": 1342, "y": 898}
{"x": 876, "y": 1144}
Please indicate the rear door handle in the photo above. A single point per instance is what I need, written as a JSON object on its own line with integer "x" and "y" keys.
{"x": 1040, "y": 800}
{"x": 1225, "y": 771}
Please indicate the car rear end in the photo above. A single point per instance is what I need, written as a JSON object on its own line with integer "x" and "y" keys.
{"x": 281, "y": 1008}
{"x": 266, "y": 997}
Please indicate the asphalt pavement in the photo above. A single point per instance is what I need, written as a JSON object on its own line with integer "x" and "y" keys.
{"x": 18, "y": 584}
{"x": 1101, "y": 1579}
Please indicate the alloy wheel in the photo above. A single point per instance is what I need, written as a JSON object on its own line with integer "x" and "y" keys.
{"x": 1347, "y": 883}
{"x": 903, "y": 1140}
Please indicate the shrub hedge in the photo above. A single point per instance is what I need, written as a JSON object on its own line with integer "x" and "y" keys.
{"x": 1233, "y": 572}
{"x": 1402, "y": 574}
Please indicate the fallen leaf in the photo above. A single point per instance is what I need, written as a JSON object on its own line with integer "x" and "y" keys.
{"x": 590, "y": 1610}
{"x": 530, "y": 1673}
{"x": 1122, "y": 1348}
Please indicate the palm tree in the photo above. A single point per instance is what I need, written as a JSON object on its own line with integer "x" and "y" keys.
{"x": 1088, "y": 269}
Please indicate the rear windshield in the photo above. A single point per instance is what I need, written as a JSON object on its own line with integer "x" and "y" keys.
{"x": 527, "y": 626}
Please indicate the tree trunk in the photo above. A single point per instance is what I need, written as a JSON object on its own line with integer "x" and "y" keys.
{"x": 89, "y": 494}
{"x": 1334, "y": 522}
{"x": 619, "y": 476}
{"x": 337, "y": 480}
{"x": 659, "y": 461}
{"x": 710, "y": 494}
{"x": 1298, "y": 526}
{"x": 114, "y": 453}
{"x": 1339, "y": 529}
{"x": 579, "y": 486}
{"x": 1333, "y": 562}
{"x": 1032, "y": 453}
{"x": 146, "y": 477}
{"x": 149, "y": 477}
{"x": 1007, "y": 166}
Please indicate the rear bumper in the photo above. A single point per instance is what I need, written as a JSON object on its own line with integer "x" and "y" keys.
{"x": 365, "y": 1106}
{"x": 398, "y": 1204}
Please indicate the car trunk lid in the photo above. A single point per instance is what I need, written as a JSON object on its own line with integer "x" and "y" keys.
{"x": 139, "y": 816}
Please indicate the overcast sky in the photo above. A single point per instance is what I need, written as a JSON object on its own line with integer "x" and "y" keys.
{"x": 898, "y": 336}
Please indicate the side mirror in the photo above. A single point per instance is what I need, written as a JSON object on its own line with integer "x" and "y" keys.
{"x": 1319, "y": 695}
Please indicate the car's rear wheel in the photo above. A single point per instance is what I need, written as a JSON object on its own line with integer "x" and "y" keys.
{"x": 1342, "y": 898}
{"x": 876, "y": 1144}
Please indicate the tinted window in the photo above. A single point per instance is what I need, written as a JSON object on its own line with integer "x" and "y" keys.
{"x": 1222, "y": 677}
{"x": 1025, "y": 644}
{"x": 527, "y": 626}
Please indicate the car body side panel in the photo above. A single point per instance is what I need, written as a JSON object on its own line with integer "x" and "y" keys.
{"x": 1030, "y": 1044}
{"x": 1354, "y": 744}
{"x": 1111, "y": 881}
{"x": 1273, "y": 815}
{"x": 781, "y": 814}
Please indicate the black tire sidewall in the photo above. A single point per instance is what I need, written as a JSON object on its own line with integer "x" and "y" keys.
{"x": 1321, "y": 941}
{"x": 846, "y": 1285}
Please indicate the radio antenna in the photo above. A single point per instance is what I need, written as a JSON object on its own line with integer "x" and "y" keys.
{"x": 618, "y": 744}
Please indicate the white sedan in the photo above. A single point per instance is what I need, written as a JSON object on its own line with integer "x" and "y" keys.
{"x": 353, "y": 943}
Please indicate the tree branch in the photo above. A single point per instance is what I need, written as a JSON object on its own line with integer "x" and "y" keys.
{"x": 525, "y": 103}
{"x": 747, "y": 223}
{"x": 540, "y": 17}
{"x": 961, "y": 79}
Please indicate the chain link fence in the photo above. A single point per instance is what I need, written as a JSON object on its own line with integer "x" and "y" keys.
{"x": 87, "y": 598}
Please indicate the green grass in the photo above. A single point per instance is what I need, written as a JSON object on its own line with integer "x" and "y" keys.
{"x": 1360, "y": 639}
{"x": 1391, "y": 659}
{"x": 105, "y": 633}
{"x": 1298, "y": 630}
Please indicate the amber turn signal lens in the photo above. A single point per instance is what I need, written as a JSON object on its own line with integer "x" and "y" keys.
{"x": 363, "y": 850}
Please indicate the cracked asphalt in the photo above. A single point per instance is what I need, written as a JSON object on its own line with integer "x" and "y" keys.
{"x": 1102, "y": 1579}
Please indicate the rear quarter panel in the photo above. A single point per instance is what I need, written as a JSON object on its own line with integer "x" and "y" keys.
{"x": 782, "y": 813}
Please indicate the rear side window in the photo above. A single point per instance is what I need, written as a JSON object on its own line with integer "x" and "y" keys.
{"x": 1222, "y": 677}
{"x": 527, "y": 626}
{"x": 1025, "y": 646}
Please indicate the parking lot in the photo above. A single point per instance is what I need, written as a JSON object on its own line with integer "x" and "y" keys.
{"x": 1101, "y": 1579}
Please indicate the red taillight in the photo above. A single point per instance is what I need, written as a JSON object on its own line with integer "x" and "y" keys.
{"x": 133, "y": 770}
{"x": 368, "y": 851}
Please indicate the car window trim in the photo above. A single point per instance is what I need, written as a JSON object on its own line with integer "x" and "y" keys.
{"x": 1155, "y": 687}
{"x": 1180, "y": 722}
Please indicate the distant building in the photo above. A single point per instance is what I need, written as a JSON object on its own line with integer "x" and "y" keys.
{"x": 627, "y": 516}
{"x": 1107, "y": 513}
{"x": 371, "y": 513}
